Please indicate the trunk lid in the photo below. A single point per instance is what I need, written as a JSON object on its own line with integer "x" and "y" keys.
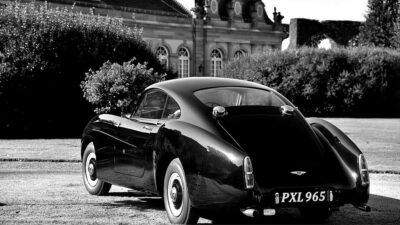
{"x": 281, "y": 147}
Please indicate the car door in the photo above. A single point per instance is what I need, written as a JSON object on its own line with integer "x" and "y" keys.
{"x": 106, "y": 136}
{"x": 136, "y": 135}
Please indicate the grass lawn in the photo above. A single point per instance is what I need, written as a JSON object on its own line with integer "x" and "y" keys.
{"x": 379, "y": 139}
{"x": 47, "y": 149}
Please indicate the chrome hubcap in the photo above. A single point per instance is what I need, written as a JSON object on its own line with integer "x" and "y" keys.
{"x": 91, "y": 169}
{"x": 175, "y": 194}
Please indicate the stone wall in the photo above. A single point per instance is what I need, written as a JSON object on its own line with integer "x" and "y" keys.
{"x": 306, "y": 32}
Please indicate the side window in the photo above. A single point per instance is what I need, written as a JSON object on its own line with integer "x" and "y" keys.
{"x": 172, "y": 110}
{"x": 152, "y": 105}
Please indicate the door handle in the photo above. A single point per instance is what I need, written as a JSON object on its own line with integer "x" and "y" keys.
{"x": 147, "y": 127}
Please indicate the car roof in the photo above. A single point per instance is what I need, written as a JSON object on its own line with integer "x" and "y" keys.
{"x": 192, "y": 84}
{"x": 193, "y": 111}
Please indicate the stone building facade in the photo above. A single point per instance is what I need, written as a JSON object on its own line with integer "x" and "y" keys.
{"x": 198, "y": 43}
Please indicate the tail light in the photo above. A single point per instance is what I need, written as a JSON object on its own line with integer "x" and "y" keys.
{"x": 362, "y": 166}
{"x": 248, "y": 173}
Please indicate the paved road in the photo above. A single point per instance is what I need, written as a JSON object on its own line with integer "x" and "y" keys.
{"x": 48, "y": 193}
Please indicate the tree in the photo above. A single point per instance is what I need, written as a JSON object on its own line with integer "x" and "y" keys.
{"x": 44, "y": 55}
{"x": 380, "y": 25}
{"x": 396, "y": 38}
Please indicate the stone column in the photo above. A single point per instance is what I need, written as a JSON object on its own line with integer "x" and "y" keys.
{"x": 198, "y": 48}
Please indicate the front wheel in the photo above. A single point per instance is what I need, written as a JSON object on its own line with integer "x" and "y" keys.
{"x": 93, "y": 185}
{"x": 176, "y": 196}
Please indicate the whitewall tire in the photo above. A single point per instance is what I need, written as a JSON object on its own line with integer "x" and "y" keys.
{"x": 176, "y": 197}
{"x": 93, "y": 185}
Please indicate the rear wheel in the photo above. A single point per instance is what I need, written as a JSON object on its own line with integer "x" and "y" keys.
{"x": 316, "y": 214}
{"x": 93, "y": 185}
{"x": 176, "y": 197}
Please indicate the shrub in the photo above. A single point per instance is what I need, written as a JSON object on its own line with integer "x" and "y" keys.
{"x": 341, "y": 82}
{"x": 115, "y": 86}
{"x": 45, "y": 53}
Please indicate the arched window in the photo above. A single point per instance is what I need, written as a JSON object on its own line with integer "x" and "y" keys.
{"x": 238, "y": 54}
{"x": 216, "y": 62}
{"x": 162, "y": 55}
{"x": 184, "y": 62}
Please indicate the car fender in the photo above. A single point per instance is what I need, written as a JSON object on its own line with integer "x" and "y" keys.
{"x": 347, "y": 150}
{"x": 213, "y": 167}
{"x": 340, "y": 142}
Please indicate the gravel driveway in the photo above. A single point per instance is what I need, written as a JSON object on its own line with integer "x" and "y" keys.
{"x": 53, "y": 193}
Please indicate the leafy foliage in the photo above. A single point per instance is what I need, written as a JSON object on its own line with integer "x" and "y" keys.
{"x": 396, "y": 38}
{"x": 380, "y": 26}
{"x": 115, "y": 86}
{"x": 340, "y": 82}
{"x": 44, "y": 55}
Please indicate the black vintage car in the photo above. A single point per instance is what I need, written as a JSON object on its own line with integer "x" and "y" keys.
{"x": 214, "y": 145}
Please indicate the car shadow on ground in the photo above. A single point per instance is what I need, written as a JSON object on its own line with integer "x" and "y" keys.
{"x": 143, "y": 203}
{"x": 2, "y": 204}
{"x": 384, "y": 210}
{"x": 128, "y": 194}
{"x": 139, "y": 201}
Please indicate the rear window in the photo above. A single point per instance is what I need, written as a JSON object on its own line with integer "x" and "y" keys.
{"x": 237, "y": 96}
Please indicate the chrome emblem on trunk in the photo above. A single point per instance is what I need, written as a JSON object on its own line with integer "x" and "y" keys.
{"x": 298, "y": 173}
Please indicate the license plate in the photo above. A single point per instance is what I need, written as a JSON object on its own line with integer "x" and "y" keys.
{"x": 303, "y": 197}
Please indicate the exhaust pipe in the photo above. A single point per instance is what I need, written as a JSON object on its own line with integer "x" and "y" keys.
{"x": 250, "y": 212}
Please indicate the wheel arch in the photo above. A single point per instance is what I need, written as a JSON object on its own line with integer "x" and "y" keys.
{"x": 348, "y": 153}
{"x": 334, "y": 134}
{"x": 207, "y": 160}
{"x": 161, "y": 167}
{"x": 84, "y": 143}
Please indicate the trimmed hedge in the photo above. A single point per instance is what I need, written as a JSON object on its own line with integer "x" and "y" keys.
{"x": 44, "y": 55}
{"x": 359, "y": 82}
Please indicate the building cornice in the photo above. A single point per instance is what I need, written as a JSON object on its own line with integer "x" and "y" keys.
{"x": 98, "y": 4}
{"x": 161, "y": 23}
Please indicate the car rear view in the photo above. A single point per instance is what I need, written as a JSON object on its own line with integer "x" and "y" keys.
{"x": 289, "y": 164}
